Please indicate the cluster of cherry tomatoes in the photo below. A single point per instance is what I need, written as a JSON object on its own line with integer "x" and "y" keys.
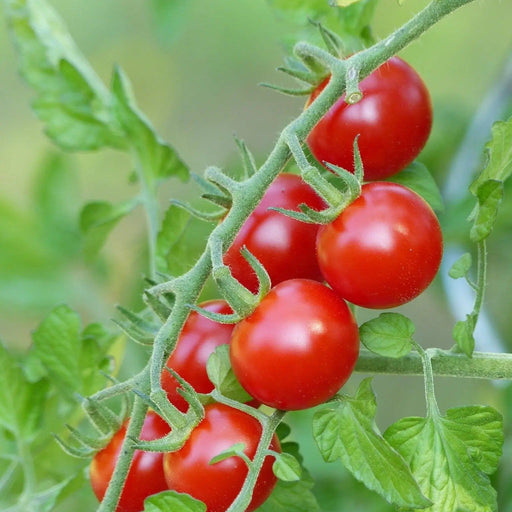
{"x": 300, "y": 345}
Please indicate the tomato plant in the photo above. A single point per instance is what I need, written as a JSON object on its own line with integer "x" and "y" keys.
{"x": 146, "y": 475}
{"x": 198, "y": 339}
{"x": 189, "y": 470}
{"x": 300, "y": 324}
{"x": 384, "y": 249}
{"x": 393, "y": 120}
{"x": 285, "y": 246}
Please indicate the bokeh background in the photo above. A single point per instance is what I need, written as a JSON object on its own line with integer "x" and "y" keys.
{"x": 195, "y": 70}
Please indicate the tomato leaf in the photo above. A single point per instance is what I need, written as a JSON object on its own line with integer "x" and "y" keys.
{"x": 417, "y": 177}
{"x": 171, "y": 500}
{"x": 451, "y": 456}
{"x": 97, "y": 220}
{"x": 489, "y": 196}
{"x": 237, "y": 450}
{"x": 461, "y": 267}
{"x": 293, "y": 496}
{"x": 158, "y": 159}
{"x": 463, "y": 334}
{"x": 499, "y": 156}
{"x": 21, "y": 402}
{"x": 389, "y": 335}
{"x": 221, "y": 374}
{"x": 57, "y": 344}
{"x": 347, "y": 431}
{"x": 286, "y": 467}
{"x": 71, "y": 100}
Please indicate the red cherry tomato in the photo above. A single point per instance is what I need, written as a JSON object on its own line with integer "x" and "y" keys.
{"x": 297, "y": 348}
{"x": 285, "y": 247}
{"x": 188, "y": 470}
{"x": 198, "y": 339}
{"x": 384, "y": 249}
{"x": 146, "y": 475}
{"x": 393, "y": 119}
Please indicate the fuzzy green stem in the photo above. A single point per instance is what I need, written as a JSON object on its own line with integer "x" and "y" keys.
{"x": 444, "y": 364}
{"x": 133, "y": 430}
{"x": 243, "y": 499}
{"x": 481, "y": 279}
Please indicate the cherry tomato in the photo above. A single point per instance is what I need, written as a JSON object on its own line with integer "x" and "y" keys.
{"x": 285, "y": 247}
{"x": 188, "y": 470}
{"x": 146, "y": 475}
{"x": 393, "y": 119}
{"x": 384, "y": 249}
{"x": 297, "y": 348}
{"x": 198, "y": 339}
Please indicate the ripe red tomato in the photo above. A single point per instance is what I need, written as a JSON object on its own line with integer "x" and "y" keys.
{"x": 198, "y": 339}
{"x": 393, "y": 119}
{"x": 188, "y": 470}
{"x": 297, "y": 348}
{"x": 285, "y": 247}
{"x": 146, "y": 475}
{"x": 384, "y": 249}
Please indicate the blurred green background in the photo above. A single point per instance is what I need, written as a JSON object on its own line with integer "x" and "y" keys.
{"x": 195, "y": 71}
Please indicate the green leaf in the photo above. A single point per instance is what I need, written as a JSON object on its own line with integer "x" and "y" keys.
{"x": 57, "y": 343}
{"x": 221, "y": 374}
{"x": 499, "y": 156}
{"x": 158, "y": 159}
{"x": 348, "y": 432}
{"x": 286, "y": 467}
{"x": 48, "y": 499}
{"x": 463, "y": 334}
{"x": 21, "y": 402}
{"x": 461, "y": 267}
{"x": 451, "y": 456}
{"x": 171, "y": 500}
{"x": 489, "y": 195}
{"x": 293, "y": 496}
{"x": 343, "y": 3}
{"x": 389, "y": 335}
{"x": 237, "y": 450}
{"x": 71, "y": 100}
{"x": 98, "y": 219}
{"x": 417, "y": 177}
{"x": 170, "y": 252}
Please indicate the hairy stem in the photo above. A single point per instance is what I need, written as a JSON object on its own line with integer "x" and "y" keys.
{"x": 243, "y": 499}
{"x": 444, "y": 364}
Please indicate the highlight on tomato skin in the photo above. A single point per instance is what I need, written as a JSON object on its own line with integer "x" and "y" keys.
{"x": 298, "y": 347}
{"x": 393, "y": 121}
{"x": 146, "y": 474}
{"x": 384, "y": 249}
{"x": 285, "y": 246}
{"x": 198, "y": 339}
{"x": 188, "y": 470}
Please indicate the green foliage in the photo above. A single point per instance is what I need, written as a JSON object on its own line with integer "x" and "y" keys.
{"x": 451, "y": 456}
{"x": 170, "y": 500}
{"x": 348, "y": 432}
{"x": 418, "y": 178}
{"x": 389, "y": 335}
{"x": 221, "y": 374}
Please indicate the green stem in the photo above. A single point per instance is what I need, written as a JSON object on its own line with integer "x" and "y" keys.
{"x": 134, "y": 429}
{"x": 243, "y": 499}
{"x": 29, "y": 476}
{"x": 481, "y": 277}
{"x": 428, "y": 373}
{"x": 152, "y": 210}
{"x": 444, "y": 364}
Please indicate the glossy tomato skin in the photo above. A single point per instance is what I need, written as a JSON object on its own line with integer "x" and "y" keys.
{"x": 297, "y": 348}
{"x": 285, "y": 246}
{"x": 393, "y": 119}
{"x": 188, "y": 470}
{"x": 198, "y": 339}
{"x": 146, "y": 475}
{"x": 384, "y": 249}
